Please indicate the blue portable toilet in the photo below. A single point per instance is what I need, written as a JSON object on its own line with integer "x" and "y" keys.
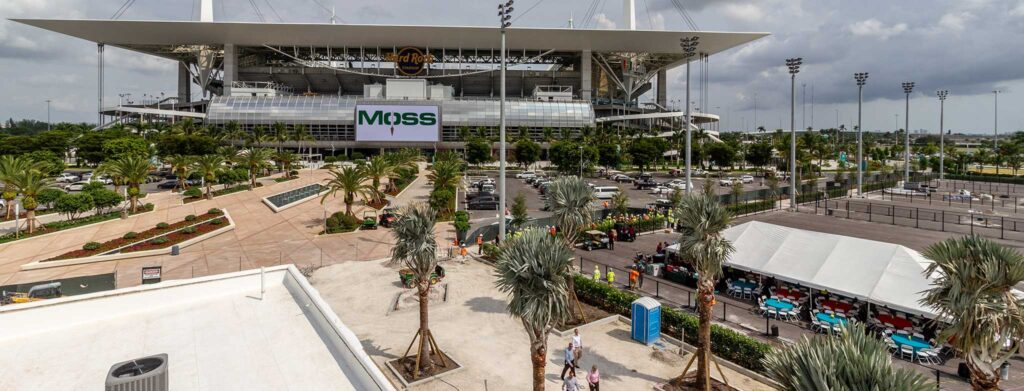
{"x": 646, "y": 320}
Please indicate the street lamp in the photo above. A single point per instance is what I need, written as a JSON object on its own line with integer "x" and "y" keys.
{"x": 995, "y": 125}
{"x": 908, "y": 87}
{"x": 861, "y": 79}
{"x": 47, "y": 115}
{"x": 504, "y": 20}
{"x": 942, "y": 132}
{"x": 794, "y": 67}
{"x": 689, "y": 46}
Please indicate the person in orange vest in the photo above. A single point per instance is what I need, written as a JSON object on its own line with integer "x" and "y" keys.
{"x": 554, "y": 231}
{"x": 480, "y": 244}
{"x": 606, "y": 204}
{"x": 633, "y": 275}
{"x": 463, "y": 251}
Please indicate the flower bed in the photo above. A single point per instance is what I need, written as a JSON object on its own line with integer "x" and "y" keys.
{"x": 140, "y": 237}
{"x": 218, "y": 193}
{"x": 728, "y": 344}
{"x": 174, "y": 237}
{"x": 68, "y": 224}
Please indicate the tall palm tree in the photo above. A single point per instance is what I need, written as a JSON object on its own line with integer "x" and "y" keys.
{"x": 701, "y": 219}
{"x": 973, "y": 295}
{"x": 181, "y": 166}
{"x": 548, "y": 135}
{"x": 29, "y": 183}
{"x": 403, "y": 159}
{"x": 376, "y": 168}
{"x": 233, "y": 131}
{"x": 286, "y": 159}
{"x": 133, "y": 170}
{"x": 570, "y": 201}
{"x": 854, "y": 361}
{"x": 228, "y": 152}
{"x": 300, "y": 134}
{"x": 416, "y": 249}
{"x": 256, "y": 160}
{"x": 350, "y": 181}
{"x": 280, "y": 134}
{"x": 535, "y": 270}
{"x": 10, "y": 167}
{"x": 207, "y": 166}
{"x": 258, "y": 136}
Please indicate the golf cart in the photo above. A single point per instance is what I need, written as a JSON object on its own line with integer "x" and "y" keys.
{"x": 408, "y": 278}
{"x": 369, "y": 220}
{"x": 388, "y": 217}
{"x": 595, "y": 239}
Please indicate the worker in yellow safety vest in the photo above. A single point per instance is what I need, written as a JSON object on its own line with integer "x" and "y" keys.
{"x": 611, "y": 277}
{"x": 597, "y": 273}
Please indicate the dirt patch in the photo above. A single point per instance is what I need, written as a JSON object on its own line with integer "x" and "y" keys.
{"x": 378, "y": 205}
{"x": 590, "y": 312}
{"x": 688, "y": 384}
{"x": 405, "y": 365}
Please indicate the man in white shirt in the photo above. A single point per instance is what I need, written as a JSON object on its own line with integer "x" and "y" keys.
{"x": 577, "y": 347}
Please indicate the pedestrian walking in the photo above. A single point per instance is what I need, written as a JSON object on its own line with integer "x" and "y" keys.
{"x": 594, "y": 378}
{"x": 611, "y": 239}
{"x": 462, "y": 251}
{"x": 569, "y": 358}
{"x": 577, "y": 348}
{"x": 633, "y": 275}
{"x": 641, "y": 270}
{"x": 570, "y": 383}
{"x": 480, "y": 244}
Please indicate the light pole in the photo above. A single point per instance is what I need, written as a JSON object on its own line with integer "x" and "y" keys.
{"x": 794, "y": 67}
{"x": 689, "y": 46}
{"x": 908, "y": 87}
{"x": 47, "y": 115}
{"x": 505, "y": 20}
{"x": 995, "y": 125}
{"x": 942, "y": 132}
{"x": 861, "y": 79}
{"x": 581, "y": 159}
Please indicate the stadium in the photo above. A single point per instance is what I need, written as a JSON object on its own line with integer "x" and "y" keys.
{"x": 389, "y": 86}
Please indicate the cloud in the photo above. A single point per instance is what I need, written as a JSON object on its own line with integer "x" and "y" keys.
{"x": 956, "y": 21}
{"x": 874, "y": 28}
{"x": 658, "y": 21}
{"x": 743, "y": 12}
{"x": 601, "y": 21}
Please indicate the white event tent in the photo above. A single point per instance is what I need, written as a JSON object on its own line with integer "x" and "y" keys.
{"x": 877, "y": 272}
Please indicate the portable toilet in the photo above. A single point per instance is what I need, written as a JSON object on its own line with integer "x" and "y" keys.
{"x": 646, "y": 320}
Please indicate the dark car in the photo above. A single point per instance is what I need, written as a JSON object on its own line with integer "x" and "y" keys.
{"x": 167, "y": 184}
{"x": 645, "y": 184}
{"x": 483, "y": 203}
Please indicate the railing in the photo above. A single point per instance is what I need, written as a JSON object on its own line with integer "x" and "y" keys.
{"x": 943, "y": 220}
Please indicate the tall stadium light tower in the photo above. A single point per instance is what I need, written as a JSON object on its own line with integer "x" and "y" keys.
{"x": 689, "y": 46}
{"x": 908, "y": 87}
{"x": 942, "y": 132}
{"x": 861, "y": 79}
{"x": 504, "y": 20}
{"x": 47, "y": 115}
{"x": 995, "y": 125}
{"x": 794, "y": 67}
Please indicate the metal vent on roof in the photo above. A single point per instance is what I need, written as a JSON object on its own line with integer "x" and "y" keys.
{"x": 141, "y": 374}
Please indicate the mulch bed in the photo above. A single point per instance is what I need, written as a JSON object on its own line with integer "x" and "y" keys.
{"x": 404, "y": 366}
{"x": 378, "y": 205}
{"x": 142, "y": 236}
{"x": 218, "y": 193}
{"x": 175, "y": 238}
{"x": 688, "y": 384}
{"x": 590, "y": 312}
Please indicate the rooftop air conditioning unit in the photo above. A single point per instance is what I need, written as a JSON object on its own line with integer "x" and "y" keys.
{"x": 141, "y": 374}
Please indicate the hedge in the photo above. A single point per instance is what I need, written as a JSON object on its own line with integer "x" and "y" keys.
{"x": 1001, "y": 178}
{"x": 725, "y": 343}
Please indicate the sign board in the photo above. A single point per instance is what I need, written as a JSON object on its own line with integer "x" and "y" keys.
{"x": 151, "y": 274}
{"x": 392, "y": 123}
{"x": 410, "y": 61}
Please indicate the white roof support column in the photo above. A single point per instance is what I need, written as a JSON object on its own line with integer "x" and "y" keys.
{"x": 184, "y": 83}
{"x": 586, "y": 75}
{"x": 230, "y": 67}
{"x": 629, "y": 14}
{"x": 663, "y": 88}
{"x": 206, "y": 11}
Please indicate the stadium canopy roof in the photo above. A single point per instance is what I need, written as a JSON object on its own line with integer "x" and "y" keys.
{"x": 141, "y": 35}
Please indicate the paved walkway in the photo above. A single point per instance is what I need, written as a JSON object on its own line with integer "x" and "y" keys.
{"x": 261, "y": 238}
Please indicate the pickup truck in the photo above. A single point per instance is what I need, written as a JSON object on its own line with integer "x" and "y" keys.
{"x": 645, "y": 184}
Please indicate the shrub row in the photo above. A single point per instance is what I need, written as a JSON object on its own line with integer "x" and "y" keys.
{"x": 68, "y": 224}
{"x": 341, "y": 222}
{"x": 1001, "y": 178}
{"x": 725, "y": 343}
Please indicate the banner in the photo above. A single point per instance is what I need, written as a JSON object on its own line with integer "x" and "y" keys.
{"x": 398, "y": 123}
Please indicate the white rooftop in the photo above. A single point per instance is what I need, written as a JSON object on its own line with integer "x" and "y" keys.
{"x": 217, "y": 331}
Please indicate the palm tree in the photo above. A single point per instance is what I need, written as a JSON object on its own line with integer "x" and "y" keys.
{"x": 280, "y": 134}
{"x": 133, "y": 170}
{"x": 570, "y": 201}
{"x": 350, "y": 181}
{"x": 286, "y": 159}
{"x": 255, "y": 159}
{"x": 29, "y": 183}
{"x": 376, "y": 168}
{"x": 973, "y": 295}
{"x": 416, "y": 250}
{"x": 181, "y": 166}
{"x": 207, "y": 166}
{"x": 701, "y": 219}
{"x": 300, "y": 134}
{"x": 233, "y": 131}
{"x": 228, "y": 152}
{"x": 258, "y": 136}
{"x": 854, "y": 361}
{"x": 534, "y": 269}
{"x": 548, "y": 135}
{"x": 10, "y": 167}
{"x": 404, "y": 159}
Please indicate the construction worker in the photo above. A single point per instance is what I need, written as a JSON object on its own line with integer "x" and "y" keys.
{"x": 611, "y": 277}
{"x": 606, "y": 204}
{"x": 634, "y": 274}
{"x": 480, "y": 244}
{"x": 597, "y": 273}
{"x": 463, "y": 251}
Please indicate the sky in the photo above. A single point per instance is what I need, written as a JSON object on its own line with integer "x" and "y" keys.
{"x": 969, "y": 47}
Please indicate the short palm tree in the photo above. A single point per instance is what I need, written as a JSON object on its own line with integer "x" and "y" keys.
{"x": 406, "y": 158}
{"x": 133, "y": 170}
{"x": 300, "y": 134}
{"x": 181, "y": 166}
{"x": 228, "y": 152}
{"x": 350, "y": 182}
{"x": 258, "y": 136}
{"x": 10, "y": 167}
{"x": 256, "y": 160}
{"x": 973, "y": 295}
{"x": 416, "y": 250}
{"x": 701, "y": 220}
{"x": 207, "y": 166}
{"x": 286, "y": 159}
{"x": 854, "y": 361}
{"x": 29, "y": 183}
{"x": 280, "y": 134}
{"x": 534, "y": 269}
{"x": 570, "y": 201}
{"x": 377, "y": 168}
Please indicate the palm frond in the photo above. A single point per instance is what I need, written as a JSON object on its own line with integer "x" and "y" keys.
{"x": 534, "y": 269}
{"x": 570, "y": 201}
{"x": 416, "y": 245}
{"x": 701, "y": 220}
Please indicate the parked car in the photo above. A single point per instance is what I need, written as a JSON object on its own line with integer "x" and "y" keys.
{"x": 728, "y": 181}
{"x": 747, "y": 179}
{"x": 168, "y": 184}
{"x": 594, "y": 239}
{"x": 645, "y": 184}
{"x": 540, "y": 184}
{"x": 483, "y": 203}
{"x": 605, "y": 192}
{"x": 621, "y": 178}
{"x": 77, "y": 186}
{"x": 676, "y": 184}
{"x": 526, "y": 175}
{"x": 106, "y": 180}
{"x": 644, "y": 177}
{"x": 67, "y": 177}
{"x": 87, "y": 176}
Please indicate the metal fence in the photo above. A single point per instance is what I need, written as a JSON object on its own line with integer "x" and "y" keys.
{"x": 983, "y": 224}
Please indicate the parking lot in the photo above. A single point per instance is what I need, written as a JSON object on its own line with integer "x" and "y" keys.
{"x": 637, "y": 198}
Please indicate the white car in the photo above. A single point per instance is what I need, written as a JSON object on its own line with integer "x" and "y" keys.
{"x": 620, "y": 178}
{"x": 66, "y": 177}
{"x": 727, "y": 181}
{"x": 77, "y": 186}
{"x": 747, "y": 179}
{"x": 526, "y": 175}
{"x": 677, "y": 184}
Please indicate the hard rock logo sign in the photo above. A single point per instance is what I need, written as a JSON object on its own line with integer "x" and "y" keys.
{"x": 410, "y": 61}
